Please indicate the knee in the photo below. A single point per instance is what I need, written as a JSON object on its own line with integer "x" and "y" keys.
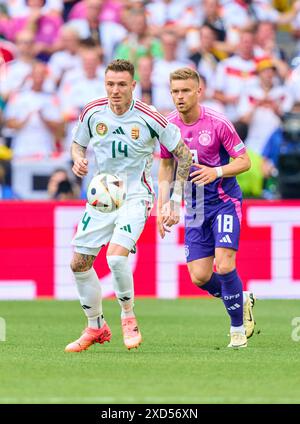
{"x": 199, "y": 278}
{"x": 116, "y": 262}
{"x": 77, "y": 265}
{"x": 224, "y": 267}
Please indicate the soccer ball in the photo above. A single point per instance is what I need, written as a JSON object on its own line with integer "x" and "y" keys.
{"x": 106, "y": 192}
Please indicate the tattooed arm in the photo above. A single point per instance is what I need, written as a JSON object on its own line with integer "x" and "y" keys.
{"x": 80, "y": 167}
{"x": 169, "y": 212}
{"x": 184, "y": 156}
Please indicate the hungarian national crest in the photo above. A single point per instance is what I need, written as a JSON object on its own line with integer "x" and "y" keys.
{"x": 101, "y": 128}
{"x": 135, "y": 133}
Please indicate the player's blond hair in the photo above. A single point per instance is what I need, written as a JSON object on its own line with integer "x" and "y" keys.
{"x": 184, "y": 74}
{"x": 120, "y": 65}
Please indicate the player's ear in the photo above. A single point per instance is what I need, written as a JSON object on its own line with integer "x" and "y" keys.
{"x": 133, "y": 84}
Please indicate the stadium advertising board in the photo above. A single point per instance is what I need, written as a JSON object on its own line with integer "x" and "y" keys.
{"x": 35, "y": 253}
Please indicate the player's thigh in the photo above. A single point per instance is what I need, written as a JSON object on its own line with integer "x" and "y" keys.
{"x": 94, "y": 230}
{"x": 225, "y": 260}
{"x": 199, "y": 242}
{"x": 226, "y": 225}
{"x": 130, "y": 224}
{"x": 117, "y": 250}
{"x": 200, "y": 270}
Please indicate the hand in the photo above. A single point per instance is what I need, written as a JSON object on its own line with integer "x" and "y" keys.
{"x": 204, "y": 175}
{"x": 168, "y": 215}
{"x": 80, "y": 167}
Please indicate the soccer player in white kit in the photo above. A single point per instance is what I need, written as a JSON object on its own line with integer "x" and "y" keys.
{"x": 123, "y": 132}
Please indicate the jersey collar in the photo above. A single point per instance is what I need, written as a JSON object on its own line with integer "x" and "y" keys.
{"x": 125, "y": 115}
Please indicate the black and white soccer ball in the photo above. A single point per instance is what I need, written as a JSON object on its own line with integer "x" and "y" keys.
{"x": 106, "y": 192}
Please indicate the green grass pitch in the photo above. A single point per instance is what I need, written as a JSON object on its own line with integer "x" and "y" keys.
{"x": 183, "y": 359}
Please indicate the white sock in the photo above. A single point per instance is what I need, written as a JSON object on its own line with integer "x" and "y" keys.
{"x": 239, "y": 329}
{"x": 90, "y": 296}
{"x": 123, "y": 283}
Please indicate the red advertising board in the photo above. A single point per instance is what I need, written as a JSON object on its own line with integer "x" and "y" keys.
{"x": 35, "y": 252}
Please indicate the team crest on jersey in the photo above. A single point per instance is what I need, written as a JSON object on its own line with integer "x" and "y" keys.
{"x": 101, "y": 128}
{"x": 186, "y": 251}
{"x": 204, "y": 137}
{"x": 135, "y": 133}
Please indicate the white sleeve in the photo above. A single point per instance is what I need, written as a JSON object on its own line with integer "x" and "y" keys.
{"x": 170, "y": 136}
{"x": 81, "y": 133}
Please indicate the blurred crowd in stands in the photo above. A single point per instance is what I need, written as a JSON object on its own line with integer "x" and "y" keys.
{"x": 52, "y": 59}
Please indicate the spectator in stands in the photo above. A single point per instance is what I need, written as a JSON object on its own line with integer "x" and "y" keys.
{"x": 7, "y": 50}
{"x": 162, "y": 68}
{"x": 105, "y": 35}
{"x": 18, "y": 70}
{"x": 67, "y": 57}
{"x": 213, "y": 18}
{"x": 44, "y": 28}
{"x": 111, "y": 10}
{"x": 182, "y": 15}
{"x": 205, "y": 57}
{"x": 285, "y": 139}
{"x": 17, "y": 8}
{"x": 293, "y": 83}
{"x": 68, "y": 6}
{"x": 65, "y": 191}
{"x": 206, "y": 100}
{"x": 233, "y": 75}
{"x": 35, "y": 117}
{"x": 266, "y": 46}
{"x": 138, "y": 42}
{"x": 79, "y": 87}
{"x": 60, "y": 187}
{"x": 243, "y": 14}
{"x": 58, "y": 175}
{"x": 143, "y": 90}
{"x": 262, "y": 105}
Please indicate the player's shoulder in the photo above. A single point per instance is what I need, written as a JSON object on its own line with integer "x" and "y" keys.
{"x": 172, "y": 116}
{"x": 218, "y": 118}
{"x": 150, "y": 113}
{"x": 97, "y": 104}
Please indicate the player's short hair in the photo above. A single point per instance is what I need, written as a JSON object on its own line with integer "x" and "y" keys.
{"x": 120, "y": 65}
{"x": 184, "y": 74}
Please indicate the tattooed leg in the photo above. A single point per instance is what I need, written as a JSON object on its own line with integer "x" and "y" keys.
{"x": 82, "y": 263}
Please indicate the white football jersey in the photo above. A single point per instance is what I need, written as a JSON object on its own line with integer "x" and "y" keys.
{"x": 124, "y": 144}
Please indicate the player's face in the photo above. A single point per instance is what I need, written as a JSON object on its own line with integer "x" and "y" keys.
{"x": 185, "y": 94}
{"x": 119, "y": 87}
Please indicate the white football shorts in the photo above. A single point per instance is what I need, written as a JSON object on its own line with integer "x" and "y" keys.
{"x": 123, "y": 226}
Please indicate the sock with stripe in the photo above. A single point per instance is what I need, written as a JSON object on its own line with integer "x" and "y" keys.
{"x": 90, "y": 296}
{"x": 232, "y": 296}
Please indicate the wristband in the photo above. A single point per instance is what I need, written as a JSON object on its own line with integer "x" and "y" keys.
{"x": 176, "y": 198}
{"x": 219, "y": 171}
